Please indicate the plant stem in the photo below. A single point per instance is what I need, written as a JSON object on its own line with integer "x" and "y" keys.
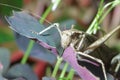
{"x": 70, "y": 75}
{"x": 46, "y": 14}
{"x": 97, "y": 19}
{"x": 89, "y": 30}
{"x": 64, "y": 70}
{"x": 27, "y": 53}
{"x": 57, "y": 66}
{"x": 31, "y": 43}
{"x": 109, "y": 9}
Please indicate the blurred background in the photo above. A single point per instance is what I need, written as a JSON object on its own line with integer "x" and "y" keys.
{"x": 81, "y": 12}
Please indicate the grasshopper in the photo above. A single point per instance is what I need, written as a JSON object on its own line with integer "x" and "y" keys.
{"x": 87, "y": 46}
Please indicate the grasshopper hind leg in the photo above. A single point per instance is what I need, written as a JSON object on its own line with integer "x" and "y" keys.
{"x": 96, "y": 61}
{"x": 115, "y": 62}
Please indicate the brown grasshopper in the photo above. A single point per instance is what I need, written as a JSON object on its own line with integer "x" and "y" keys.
{"x": 87, "y": 46}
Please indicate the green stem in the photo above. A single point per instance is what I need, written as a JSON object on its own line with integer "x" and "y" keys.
{"x": 70, "y": 75}
{"x": 96, "y": 18}
{"x": 27, "y": 53}
{"x": 106, "y": 13}
{"x": 64, "y": 70}
{"x": 31, "y": 43}
{"x": 57, "y": 66}
{"x": 46, "y": 14}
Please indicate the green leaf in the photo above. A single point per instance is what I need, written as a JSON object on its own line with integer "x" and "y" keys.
{"x": 6, "y": 10}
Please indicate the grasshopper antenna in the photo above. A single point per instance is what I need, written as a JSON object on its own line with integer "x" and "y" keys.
{"x": 11, "y": 6}
{"x": 100, "y": 41}
{"x": 52, "y": 25}
{"x": 7, "y": 5}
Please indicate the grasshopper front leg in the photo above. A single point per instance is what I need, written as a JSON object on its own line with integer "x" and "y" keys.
{"x": 56, "y": 25}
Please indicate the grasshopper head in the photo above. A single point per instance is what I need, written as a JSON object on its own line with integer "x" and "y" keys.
{"x": 71, "y": 36}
